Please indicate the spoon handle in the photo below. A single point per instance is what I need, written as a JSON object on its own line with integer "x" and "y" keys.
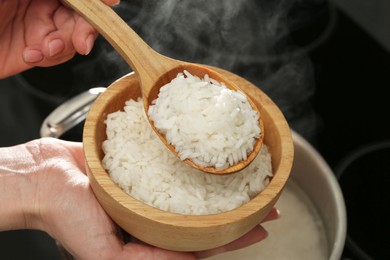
{"x": 147, "y": 63}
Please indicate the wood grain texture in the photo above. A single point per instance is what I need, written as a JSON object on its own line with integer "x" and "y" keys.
{"x": 174, "y": 231}
{"x": 152, "y": 69}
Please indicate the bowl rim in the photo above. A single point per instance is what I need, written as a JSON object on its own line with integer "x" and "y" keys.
{"x": 266, "y": 198}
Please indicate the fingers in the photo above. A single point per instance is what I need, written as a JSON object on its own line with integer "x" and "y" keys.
{"x": 111, "y": 2}
{"x": 140, "y": 251}
{"x": 48, "y": 35}
{"x": 272, "y": 215}
{"x": 56, "y": 40}
{"x": 83, "y": 36}
{"x": 55, "y": 33}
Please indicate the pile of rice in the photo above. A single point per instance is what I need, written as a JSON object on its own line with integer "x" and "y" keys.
{"x": 205, "y": 121}
{"x": 143, "y": 167}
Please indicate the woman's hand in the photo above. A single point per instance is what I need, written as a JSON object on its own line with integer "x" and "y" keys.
{"x": 52, "y": 193}
{"x": 41, "y": 33}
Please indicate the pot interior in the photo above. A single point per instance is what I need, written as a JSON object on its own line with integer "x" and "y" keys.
{"x": 313, "y": 219}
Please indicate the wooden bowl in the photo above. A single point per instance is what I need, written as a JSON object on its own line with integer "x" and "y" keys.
{"x": 174, "y": 231}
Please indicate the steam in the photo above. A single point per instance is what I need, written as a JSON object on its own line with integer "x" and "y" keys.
{"x": 219, "y": 33}
{"x": 251, "y": 38}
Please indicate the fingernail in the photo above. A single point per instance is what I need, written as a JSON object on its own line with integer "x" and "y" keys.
{"x": 278, "y": 213}
{"x": 90, "y": 41}
{"x": 117, "y": 2}
{"x": 55, "y": 47}
{"x": 32, "y": 56}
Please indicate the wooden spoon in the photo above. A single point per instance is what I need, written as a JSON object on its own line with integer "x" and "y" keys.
{"x": 153, "y": 69}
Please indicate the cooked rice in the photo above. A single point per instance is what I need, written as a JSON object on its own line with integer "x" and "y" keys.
{"x": 205, "y": 121}
{"x": 143, "y": 167}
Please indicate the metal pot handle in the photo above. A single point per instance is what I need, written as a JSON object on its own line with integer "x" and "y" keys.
{"x": 69, "y": 114}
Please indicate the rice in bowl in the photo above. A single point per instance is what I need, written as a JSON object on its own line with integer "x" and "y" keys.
{"x": 171, "y": 230}
{"x": 144, "y": 168}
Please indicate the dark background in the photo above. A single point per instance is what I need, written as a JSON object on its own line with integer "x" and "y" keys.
{"x": 350, "y": 103}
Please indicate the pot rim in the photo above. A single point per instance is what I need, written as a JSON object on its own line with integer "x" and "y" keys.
{"x": 341, "y": 229}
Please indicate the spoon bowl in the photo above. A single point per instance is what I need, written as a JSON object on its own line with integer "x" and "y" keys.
{"x": 153, "y": 70}
{"x": 200, "y": 71}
